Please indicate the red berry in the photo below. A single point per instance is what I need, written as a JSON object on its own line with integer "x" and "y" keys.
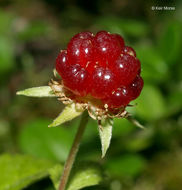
{"x": 123, "y": 95}
{"x": 107, "y": 48}
{"x": 80, "y": 49}
{"x": 126, "y": 68}
{"x": 75, "y": 78}
{"x": 103, "y": 82}
{"x": 136, "y": 87}
{"x": 120, "y": 40}
{"x": 129, "y": 51}
{"x": 62, "y": 63}
{"x": 102, "y": 67}
{"x": 118, "y": 98}
{"x": 83, "y": 35}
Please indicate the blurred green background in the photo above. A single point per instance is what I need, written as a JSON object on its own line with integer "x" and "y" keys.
{"x": 31, "y": 35}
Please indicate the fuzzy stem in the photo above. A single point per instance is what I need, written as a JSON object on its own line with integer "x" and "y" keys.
{"x": 73, "y": 152}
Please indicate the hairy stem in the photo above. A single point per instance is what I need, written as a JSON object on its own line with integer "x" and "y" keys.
{"x": 73, "y": 152}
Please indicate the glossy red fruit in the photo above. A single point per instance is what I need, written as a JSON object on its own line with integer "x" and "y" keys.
{"x": 107, "y": 48}
{"x": 118, "y": 98}
{"x": 102, "y": 67}
{"x": 62, "y": 64}
{"x": 126, "y": 68}
{"x": 136, "y": 87}
{"x": 120, "y": 40}
{"x": 103, "y": 82}
{"x": 123, "y": 95}
{"x": 77, "y": 80}
{"x": 80, "y": 49}
{"x": 129, "y": 50}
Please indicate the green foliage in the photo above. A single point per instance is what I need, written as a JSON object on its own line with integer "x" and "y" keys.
{"x": 170, "y": 42}
{"x": 151, "y": 104}
{"x": 6, "y": 20}
{"x": 47, "y": 143}
{"x": 55, "y": 175}
{"x": 83, "y": 175}
{"x": 152, "y": 62}
{"x": 34, "y": 30}
{"x": 6, "y": 55}
{"x": 129, "y": 165}
{"x": 122, "y": 127}
{"x": 140, "y": 141}
{"x": 134, "y": 28}
{"x": 19, "y": 171}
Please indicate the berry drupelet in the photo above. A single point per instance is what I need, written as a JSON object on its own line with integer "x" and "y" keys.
{"x": 100, "y": 69}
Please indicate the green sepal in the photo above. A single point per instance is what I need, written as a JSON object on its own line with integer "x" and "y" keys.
{"x": 105, "y": 132}
{"x": 70, "y": 112}
{"x": 39, "y": 92}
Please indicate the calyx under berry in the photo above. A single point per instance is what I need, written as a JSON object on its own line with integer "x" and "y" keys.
{"x": 99, "y": 69}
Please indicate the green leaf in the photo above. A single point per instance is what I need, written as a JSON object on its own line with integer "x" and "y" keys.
{"x": 152, "y": 62}
{"x": 6, "y": 20}
{"x": 134, "y": 28}
{"x": 69, "y": 113}
{"x": 122, "y": 127}
{"x": 19, "y": 171}
{"x": 170, "y": 42}
{"x": 174, "y": 100}
{"x": 7, "y": 58}
{"x": 140, "y": 141}
{"x": 128, "y": 165}
{"x": 151, "y": 103}
{"x": 42, "y": 91}
{"x": 34, "y": 30}
{"x": 55, "y": 175}
{"x": 105, "y": 132}
{"x": 83, "y": 175}
{"x": 52, "y": 143}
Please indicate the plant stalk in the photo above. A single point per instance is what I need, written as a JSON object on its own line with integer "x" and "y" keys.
{"x": 73, "y": 152}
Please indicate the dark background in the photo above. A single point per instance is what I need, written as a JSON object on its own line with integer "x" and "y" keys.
{"x": 31, "y": 35}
